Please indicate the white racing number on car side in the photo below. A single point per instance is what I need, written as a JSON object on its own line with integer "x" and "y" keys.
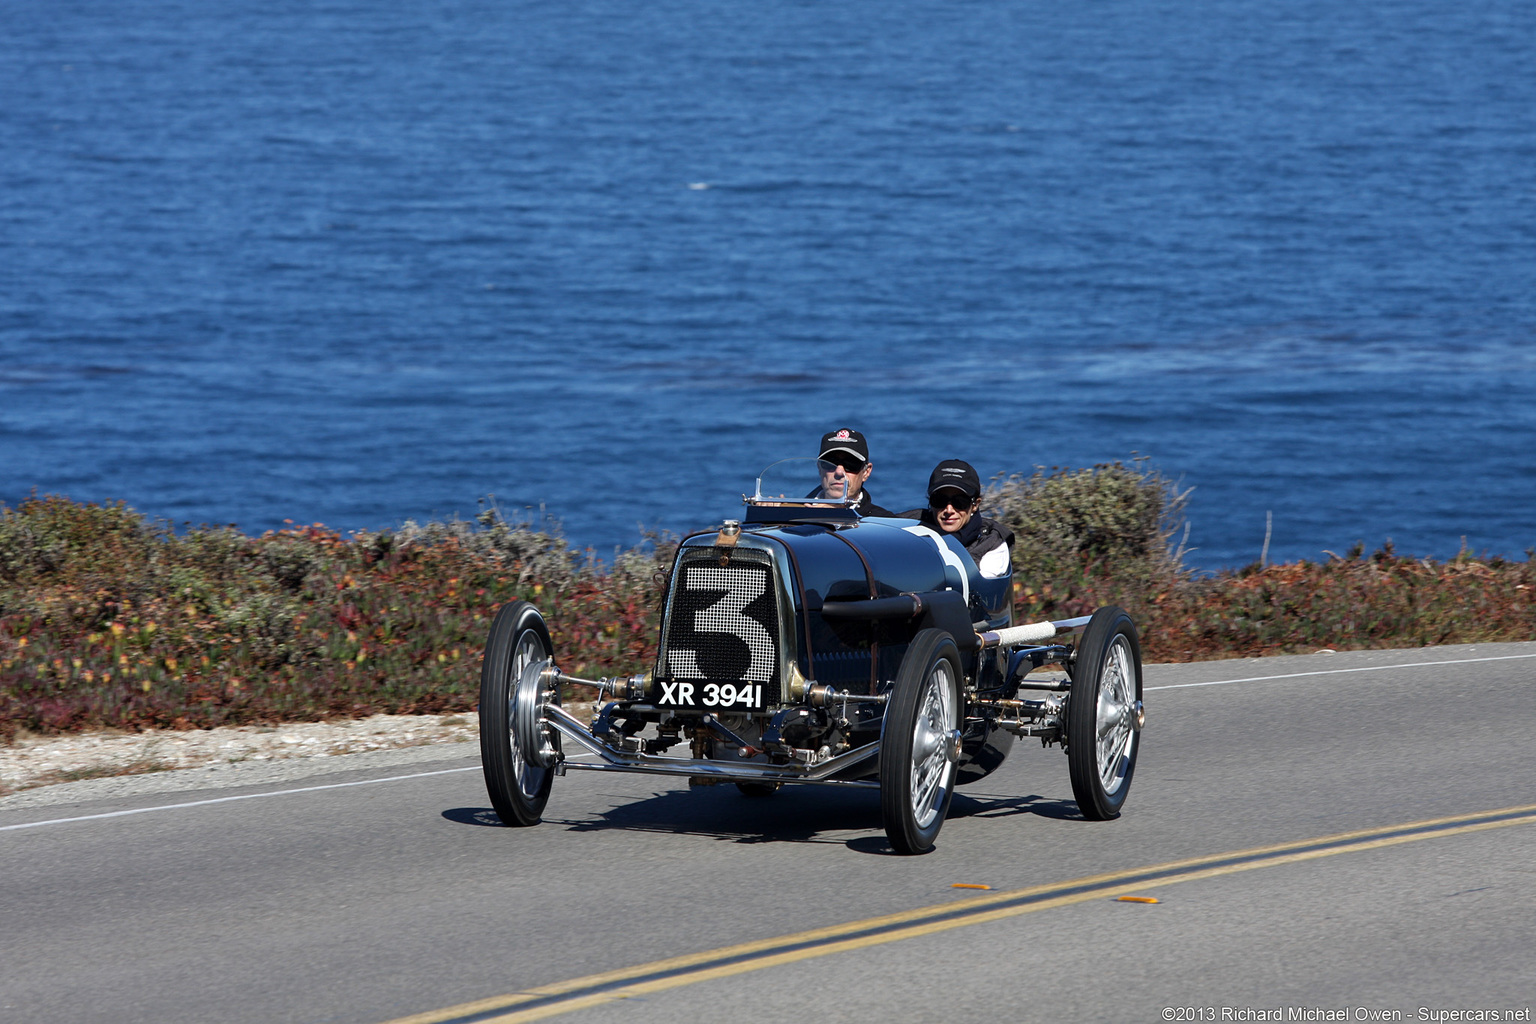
{"x": 725, "y": 617}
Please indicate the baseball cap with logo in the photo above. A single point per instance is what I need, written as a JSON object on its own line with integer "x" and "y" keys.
{"x": 952, "y": 474}
{"x": 844, "y": 440}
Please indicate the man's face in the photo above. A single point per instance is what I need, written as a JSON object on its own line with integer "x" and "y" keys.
{"x": 843, "y": 474}
{"x": 952, "y": 509}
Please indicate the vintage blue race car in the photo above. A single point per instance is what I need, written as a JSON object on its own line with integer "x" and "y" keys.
{"x": 804, "y": 644}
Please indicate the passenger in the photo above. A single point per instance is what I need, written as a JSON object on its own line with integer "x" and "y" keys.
{"x": 954, "y": 501}
{"x": 845, "y": 467}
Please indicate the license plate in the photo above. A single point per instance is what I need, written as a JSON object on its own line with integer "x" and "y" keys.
{"x": 685, "y": 693}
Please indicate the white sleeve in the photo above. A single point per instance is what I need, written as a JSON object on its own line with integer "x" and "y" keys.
{"x": 994, "y": 563}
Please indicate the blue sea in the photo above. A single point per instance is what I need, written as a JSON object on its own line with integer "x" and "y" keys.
{"x": 357, "y": 263}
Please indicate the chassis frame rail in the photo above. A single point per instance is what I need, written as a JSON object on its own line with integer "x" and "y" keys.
{"x": 656, "y": 764}
{"x": 820, "y": 773}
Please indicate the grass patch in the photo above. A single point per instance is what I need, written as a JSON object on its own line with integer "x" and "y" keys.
{"x": 143, "y": 766}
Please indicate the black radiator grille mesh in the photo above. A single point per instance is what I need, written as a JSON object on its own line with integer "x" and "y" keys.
{"x": 723, "y": 623}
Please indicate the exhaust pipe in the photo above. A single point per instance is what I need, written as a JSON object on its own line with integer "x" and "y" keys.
{"x": 1032, "y": 632}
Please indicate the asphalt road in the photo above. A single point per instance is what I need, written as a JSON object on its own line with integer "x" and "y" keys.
{"x": 391, "y": 891}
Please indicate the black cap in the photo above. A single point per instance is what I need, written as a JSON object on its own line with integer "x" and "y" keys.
{"x": 844, "y": 440}
{"x": 952, "y": 474}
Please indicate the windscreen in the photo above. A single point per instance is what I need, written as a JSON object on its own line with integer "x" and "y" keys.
{"x": 802, "y": 480}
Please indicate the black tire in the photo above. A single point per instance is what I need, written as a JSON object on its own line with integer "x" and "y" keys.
{"x": 1104, "y": 714}
{"x": 518, "y": 790}
{"x": 919, "y": 742}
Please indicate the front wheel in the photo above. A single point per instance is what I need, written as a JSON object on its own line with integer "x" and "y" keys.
{"x": 1104, "y": 714}
{"x": 519, "y": 641}
{"x": 920, "y": 742}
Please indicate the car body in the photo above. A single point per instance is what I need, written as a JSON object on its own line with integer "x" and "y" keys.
{"x": 804, "y": 644}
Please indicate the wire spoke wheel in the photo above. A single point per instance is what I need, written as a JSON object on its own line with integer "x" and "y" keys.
{"x": 517, "y": 756}
{"x": 1115, "y": 733}
{"x": 920, "y": 742}
{"x": 1105, "y": 714}
{"x": 930, "y": 765}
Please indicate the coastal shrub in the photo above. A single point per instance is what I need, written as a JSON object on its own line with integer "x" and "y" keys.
{"x": 1109, "y": 520}
{"x": 55, "y": 537}
{"x": 109, "y": 620}
{"x": 1376, "y": 601}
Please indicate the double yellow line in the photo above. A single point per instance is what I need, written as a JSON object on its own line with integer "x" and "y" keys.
{"x": 660, "y": 975}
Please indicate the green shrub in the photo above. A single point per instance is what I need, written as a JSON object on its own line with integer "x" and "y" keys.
{"x": 1111, "y": 520}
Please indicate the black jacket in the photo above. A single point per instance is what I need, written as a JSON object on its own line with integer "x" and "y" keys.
{"x": 864, "y": 505}
{"x": 979, "y": 536}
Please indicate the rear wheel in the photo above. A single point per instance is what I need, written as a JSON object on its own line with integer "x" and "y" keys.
{"x": 518, "y": 647}
{"x": 920, "y": 742}
{"x": 1104, "y": 714}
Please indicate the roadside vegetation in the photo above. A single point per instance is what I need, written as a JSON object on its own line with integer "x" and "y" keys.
{"x": 111, "y": 620}
{"x": 1113, "y": 534}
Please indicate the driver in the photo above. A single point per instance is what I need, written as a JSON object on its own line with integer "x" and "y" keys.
{"x": 845, "y": 466}
{"x": 954, "y": 504}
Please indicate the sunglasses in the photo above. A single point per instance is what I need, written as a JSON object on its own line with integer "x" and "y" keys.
{"x": 959, "y": 502}
{"x": 848, "y": 462}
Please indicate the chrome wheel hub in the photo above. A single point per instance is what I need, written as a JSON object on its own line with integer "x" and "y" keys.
{"x": 1119, "y": 718}
{"x": 532, "y": 746}
{"x": 935, "y": 746}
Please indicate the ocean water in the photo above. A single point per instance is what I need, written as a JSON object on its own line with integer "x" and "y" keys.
{"x": 358, "y": 263}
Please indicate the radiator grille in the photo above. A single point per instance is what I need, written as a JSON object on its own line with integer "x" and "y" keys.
{"x": 723, "y": 623}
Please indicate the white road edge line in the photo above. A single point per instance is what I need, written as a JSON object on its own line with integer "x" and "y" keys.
{"x": 1335, "y": 671}
{"x": 243, "y": 796}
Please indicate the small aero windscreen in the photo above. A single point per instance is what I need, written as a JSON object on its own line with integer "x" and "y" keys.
{"x": 722, "y": 639}
{"x": 801, "y": 481}
{"x": 801, "y": 490}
